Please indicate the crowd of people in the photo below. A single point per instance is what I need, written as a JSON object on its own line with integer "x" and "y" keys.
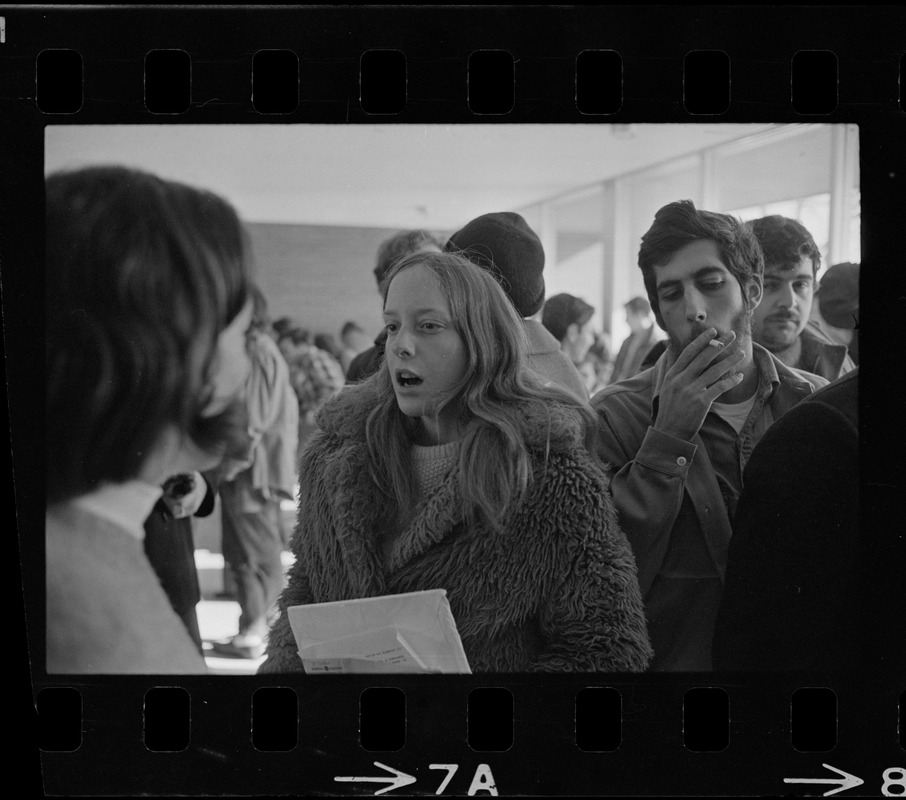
{"x": 655, "y": 509}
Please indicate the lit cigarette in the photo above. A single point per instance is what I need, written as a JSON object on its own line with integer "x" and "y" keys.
{"x": 715, "y": 343}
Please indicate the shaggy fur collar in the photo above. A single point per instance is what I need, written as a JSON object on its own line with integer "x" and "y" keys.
{"x": 345, "y": 416}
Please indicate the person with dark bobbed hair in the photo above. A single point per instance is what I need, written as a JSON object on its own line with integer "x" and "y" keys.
{"x": 148, "y": 304}
{"x": 391, "y": 250}
{"x": 678, "y": 435}
{"x": 780, "y": 323}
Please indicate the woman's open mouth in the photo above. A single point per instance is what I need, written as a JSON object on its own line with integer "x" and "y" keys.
{"x": 407, "y": 379}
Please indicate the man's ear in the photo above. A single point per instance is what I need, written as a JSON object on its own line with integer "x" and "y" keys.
{"x": 572, "y": 332}
{"x": 754, "y": 291}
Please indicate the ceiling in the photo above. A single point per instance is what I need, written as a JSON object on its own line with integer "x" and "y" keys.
{"x": 386, "y": 176}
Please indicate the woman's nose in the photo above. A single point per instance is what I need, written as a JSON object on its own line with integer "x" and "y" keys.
{"x": 402, "y": 344}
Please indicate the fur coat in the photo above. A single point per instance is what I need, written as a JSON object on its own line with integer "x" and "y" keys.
{"x": 555, "y": 591}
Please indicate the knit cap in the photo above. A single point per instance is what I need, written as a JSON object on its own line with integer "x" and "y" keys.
{"x": 504, "y": 243}
{"x": 563, "y": 310}
{"x": 838, "y": 295}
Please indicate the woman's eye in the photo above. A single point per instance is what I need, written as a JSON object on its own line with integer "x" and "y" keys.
{"x": 391, "y": 327}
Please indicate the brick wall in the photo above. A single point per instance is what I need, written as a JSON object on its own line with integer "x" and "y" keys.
{"x": 319, "y": 275}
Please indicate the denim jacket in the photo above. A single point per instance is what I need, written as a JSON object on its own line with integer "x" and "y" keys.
{"x": 654, "y": 470}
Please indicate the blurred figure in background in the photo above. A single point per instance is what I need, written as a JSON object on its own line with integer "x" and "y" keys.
{"x": 597, "y": 366}
{"x": 147, "y": 311}
{"x": 326, "y": 342}
{"x": 780, "y": 323}
{"x": 354, "y": 341}
{"x": 391, "y": 250}
{"x": 252, "y": 489}
{"x": 280, "y": 327}
{"x": 315, "y": 376}
{"x": 503, "y": 243}
{"x": 835, "y": 311}
{"x": 568, "y": 319}
{"x": 643, "y": 335}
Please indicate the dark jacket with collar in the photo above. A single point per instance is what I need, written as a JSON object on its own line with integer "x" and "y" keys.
{"x": 823, "y": 356}
{"x": 556, "y": 590}
{"x": 659, "y": 479}
{"x": 792, "y": 592}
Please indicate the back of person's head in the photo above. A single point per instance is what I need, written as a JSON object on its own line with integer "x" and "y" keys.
{"x": 563, "y": 310}
{"x": 282, "y": 325}
{"x": 298, "y": 336}
{"x": 638, "y": 306}
{"x": 680, "y": 223}
{"x": 326, "y": 342}
{"x": 143, "y": 275}
{"x": 400, "y": 245}
{"x": 785, "y": 242}
{"x": 503, "y": 242}
{"x": 838, "y": 295}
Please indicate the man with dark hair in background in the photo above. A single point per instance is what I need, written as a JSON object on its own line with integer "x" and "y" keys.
{"x": 568, "y": 319}
{"x": 678, "y": 435}
{"x": 643, "y": 335}
{"x": 354, "y": 341}
{"x": 391, "y": 250}
{"x": 780, "y": 323}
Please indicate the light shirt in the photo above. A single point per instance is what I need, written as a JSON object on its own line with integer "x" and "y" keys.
{"x": 734, "y": 414}
{"x": 127, "y": 505}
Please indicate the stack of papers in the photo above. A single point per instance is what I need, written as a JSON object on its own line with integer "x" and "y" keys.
{"x": 412, "y": 632}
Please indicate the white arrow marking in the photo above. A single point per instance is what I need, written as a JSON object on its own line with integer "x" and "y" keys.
{"x": 399, "y": 779}
{"x": 848, "y": 781}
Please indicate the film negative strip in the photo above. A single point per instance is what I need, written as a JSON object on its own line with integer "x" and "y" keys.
{"x": 198, "y": 76}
